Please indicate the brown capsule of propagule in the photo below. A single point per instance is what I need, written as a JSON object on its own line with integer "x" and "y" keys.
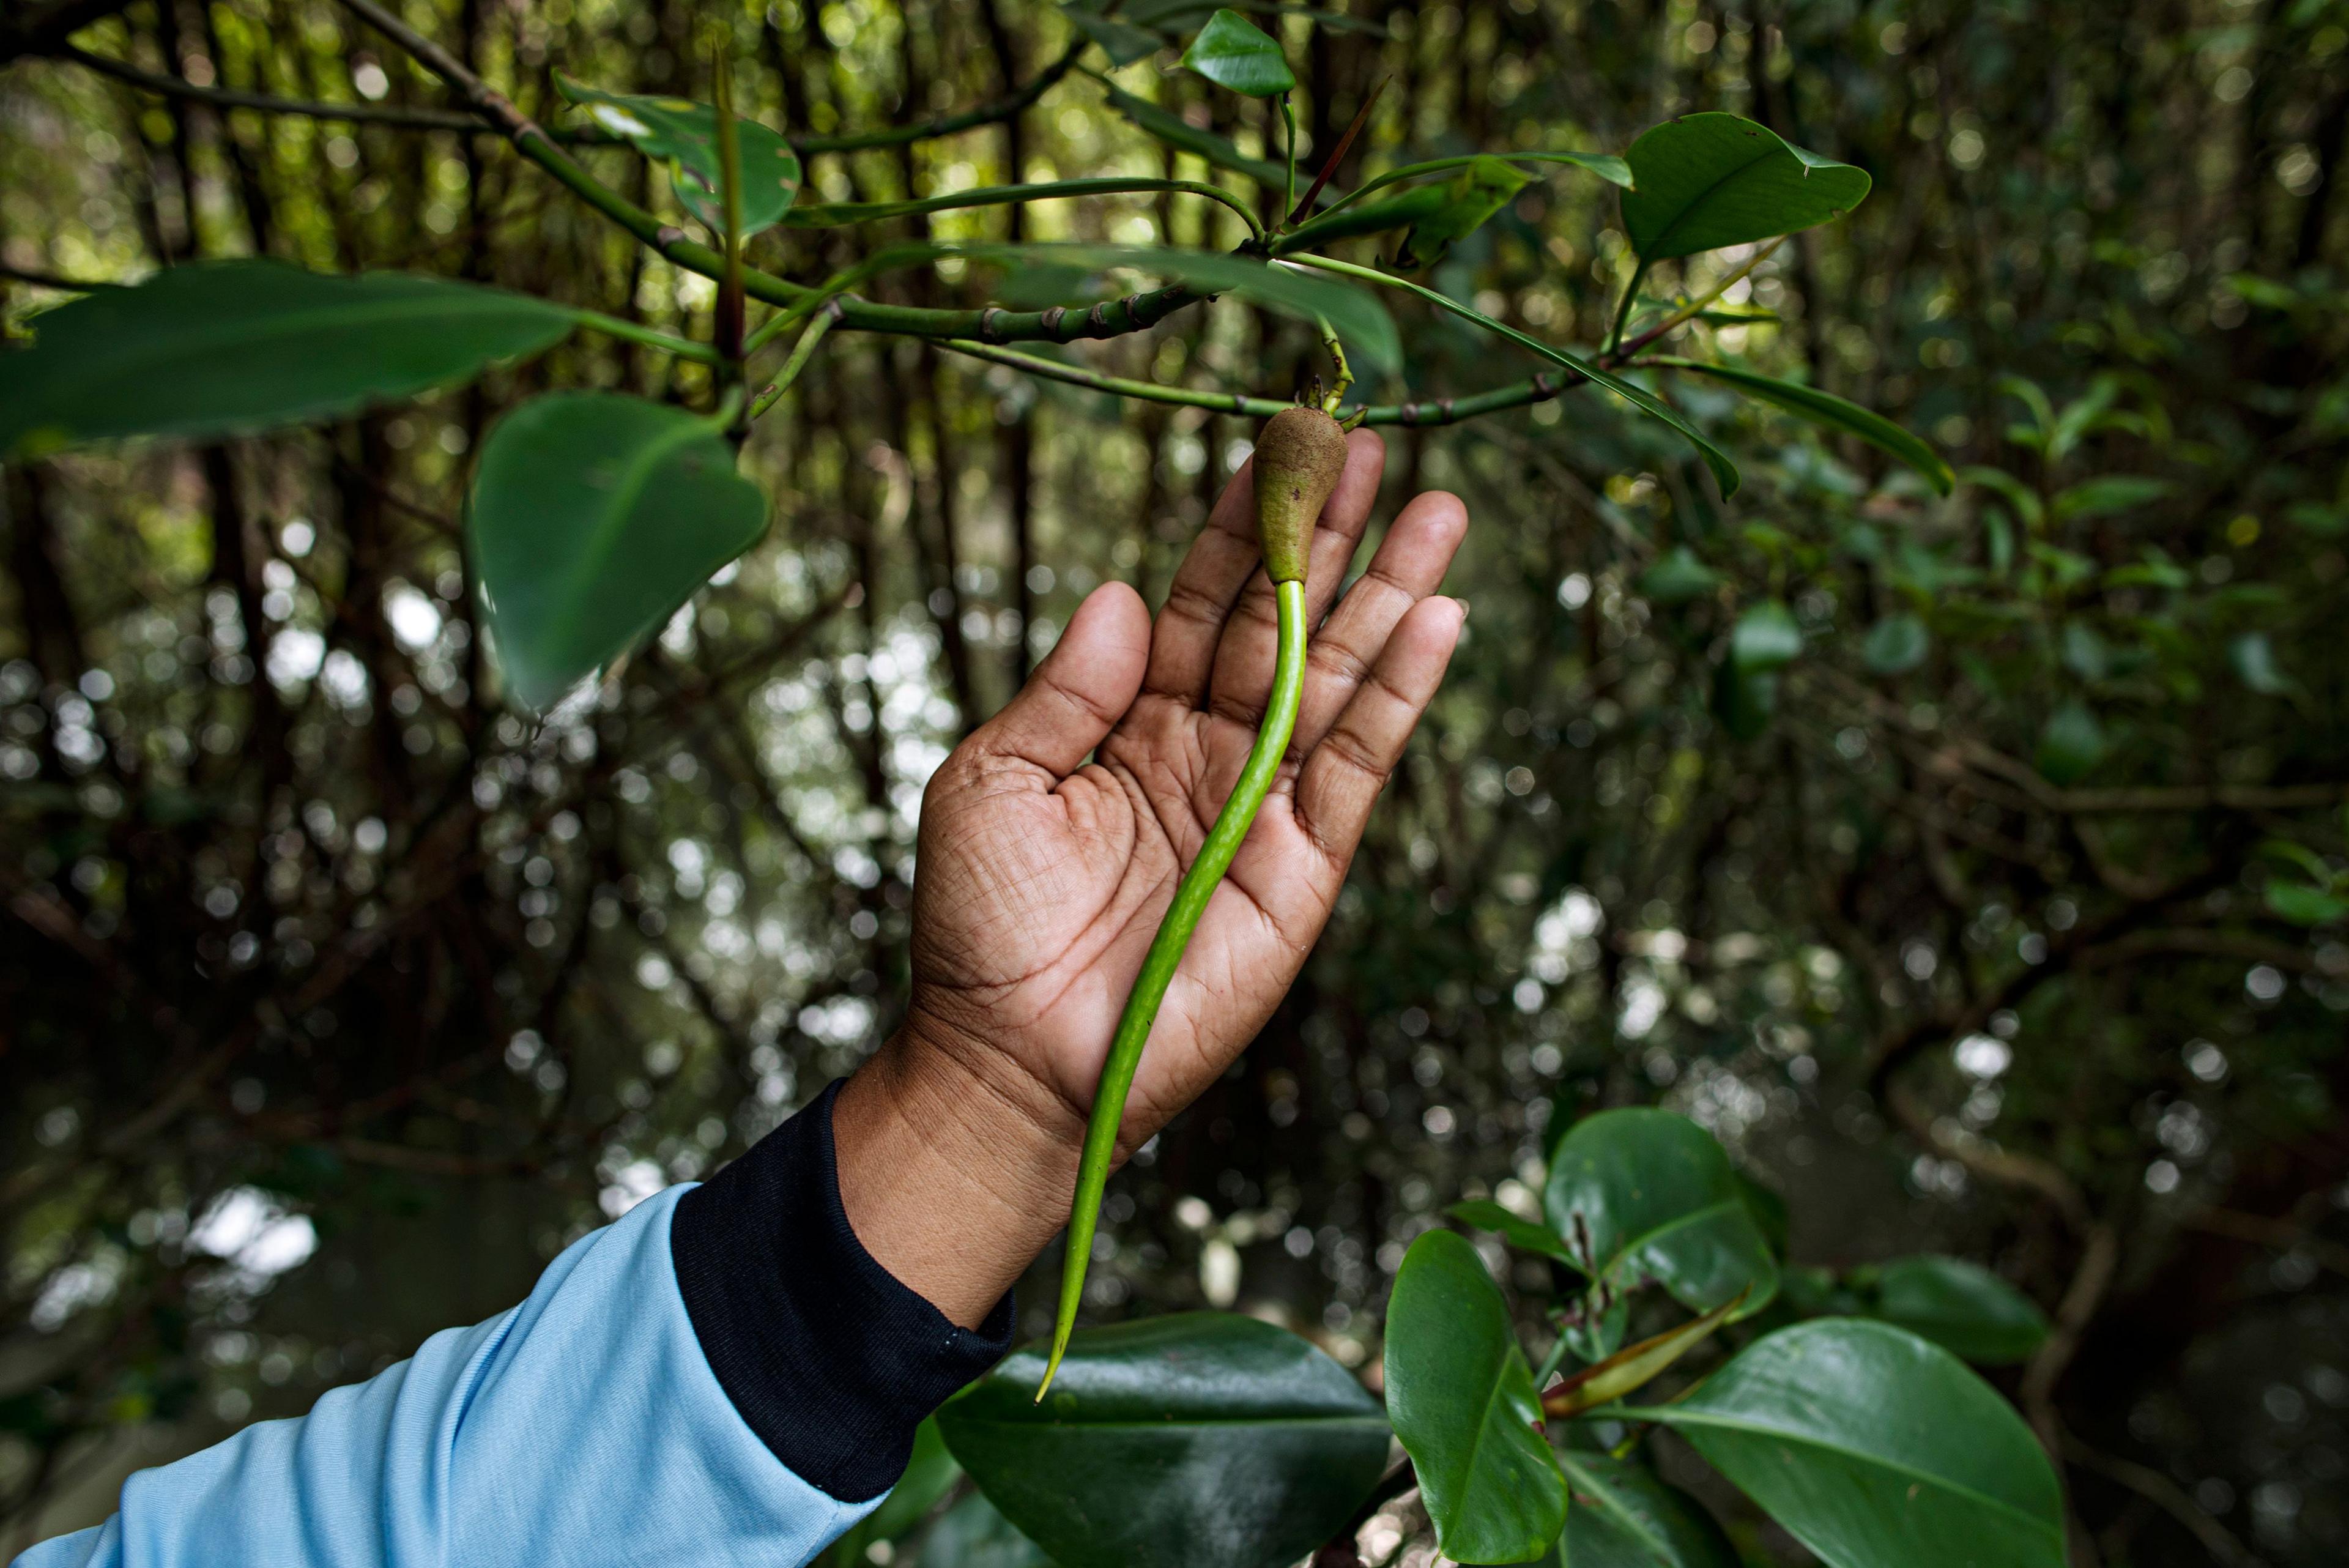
{"x": 1299, "y": 458}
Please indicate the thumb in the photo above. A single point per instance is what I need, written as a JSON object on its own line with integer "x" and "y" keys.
{"x": 1081, "y": 691}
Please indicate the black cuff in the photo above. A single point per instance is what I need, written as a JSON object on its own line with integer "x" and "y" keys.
{"x": 829, "y": 1358}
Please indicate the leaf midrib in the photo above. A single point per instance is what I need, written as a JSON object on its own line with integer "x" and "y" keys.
{"x": 601, "y": 541}
{"x": 1688, "y": 1416}
{"x": 1664, "y": 234}
{"x": 1608, "y": 1503}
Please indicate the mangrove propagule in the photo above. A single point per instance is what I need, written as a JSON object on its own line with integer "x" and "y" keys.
{"x": 1300, "y": 454}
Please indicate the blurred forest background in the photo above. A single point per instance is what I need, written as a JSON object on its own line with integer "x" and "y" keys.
{"x": 334, "y": 998}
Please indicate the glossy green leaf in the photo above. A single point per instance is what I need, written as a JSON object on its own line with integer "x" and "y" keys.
{"x": 1627, "y": 1516}
{"x": 1876, "y": 1450}
{"x": 1896, "y": 645}
{"x": 930, "y": 1473}
{"x": 2071, "y": 743}
{"x": 1705, "y": 181}
{"x": 1960, "y": 1306}
{"x": 1233, "y": 52}
{"x": 1195, "y": 1440}
{"x": 973, "y": 1534}
{"x": 1770, "y": 1213}
{"x": 1678, "y": 578}
{"x": 595, "y": 515}
{"x": 1659, "y": 1199}
{"x": 220, "y": 349}
{"x": 1522, "y": 1234}
{"x": 684, "y": 135}
{"x": 1359, "y": 318}
{"x": 1181, "y": 134}
{"x": 1122, "y": 41}
{"x": 1831, "y": 413}
{"x": 1462, "y": 1401}
{"x": 1764, "y": 639}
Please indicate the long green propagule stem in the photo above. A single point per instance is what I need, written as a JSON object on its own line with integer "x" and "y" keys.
{"x": 1299, "y": 455}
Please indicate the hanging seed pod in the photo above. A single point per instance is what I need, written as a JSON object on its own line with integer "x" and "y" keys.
{"x": 1299, "y": 458}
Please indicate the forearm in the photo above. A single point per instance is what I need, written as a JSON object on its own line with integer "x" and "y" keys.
{"x": 954, "y": 1172}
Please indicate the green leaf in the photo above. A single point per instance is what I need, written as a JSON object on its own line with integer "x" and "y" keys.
{"x": 684, "y": 134}
{"x": 2071, "y": 743}
{"x": 1359, "y": 318}
{"x": 1705, "y": 181}
{"x": 1896, "y": 645}
{"x": 1960, "y": 1306}
{"x": 930, "y": 1473}
{"x": 2017, "y": 495}
{"x": 1627, "y": 1516}
{"x": 1122, "y": 41}
{"x": 1195, "y": 1440}
{"x": 1233, "y": 52}
{"x": 220, "y": 349}
{"x": 1764, "y": 639}
{"x": 1467, "y": 200}
{"x": 973, "y": 1534}
{"x": 2253, "y": 656}
{"x": 595, "y": 515}
{"x": 1522, "y": 1234}
{"x": 2106, "y": 497}
{"x": 1678, "y": 578}
{"x": 1831, "y": 413}
{"x": 1873, "y": 1447}
{"x": 1462, "y": 1401}
{"x": 2303, "y": 905}
{"x": 1181, "y": 134}
{"x": 1659, "y": 1201}
{"x": 1769, "y": 1212}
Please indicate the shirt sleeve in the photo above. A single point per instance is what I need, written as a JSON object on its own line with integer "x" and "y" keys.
{"x": 723, "y": 1375}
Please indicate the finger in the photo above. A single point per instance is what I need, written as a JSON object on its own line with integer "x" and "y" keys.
{"x": 1082, "y": 689}
{"x": 1409, "y": 563}
{"x": 1199, "y": 600}
{"x": 1244, "y": 658}
{"x": 1343, "y": 776}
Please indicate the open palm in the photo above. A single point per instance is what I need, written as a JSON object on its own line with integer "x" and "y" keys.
{"x": 1042, "y": 876}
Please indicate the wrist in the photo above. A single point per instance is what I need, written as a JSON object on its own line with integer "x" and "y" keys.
{"x": 955, "y": 1171}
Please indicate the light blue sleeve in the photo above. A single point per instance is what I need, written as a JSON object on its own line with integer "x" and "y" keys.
{"x": 582, "y": 1428}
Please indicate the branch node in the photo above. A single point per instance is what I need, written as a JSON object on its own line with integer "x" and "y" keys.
{"x": 1051, "y": 320}
{"x": 988, "y": 331}
{"x": 1097, "y": 319}
{"x": 670, "y": 234}
{"x": 1543, "y": 387}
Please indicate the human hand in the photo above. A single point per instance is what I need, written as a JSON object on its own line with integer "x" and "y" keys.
{"x": 1041, "y": 876}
